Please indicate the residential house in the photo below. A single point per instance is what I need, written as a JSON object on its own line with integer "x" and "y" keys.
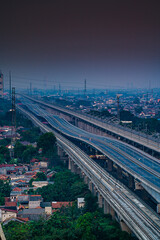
{"x": 80, "y": 202}
{"x": 39, "y": 184}
{"x": 32, "y": 213}
{"x": 58, "y": 205}
{"x": 7, "y": 213}
{"x": 35, "y": 200}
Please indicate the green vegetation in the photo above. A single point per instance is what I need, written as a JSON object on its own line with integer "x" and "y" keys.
{"x": 67, "y": 187}
{"x": 148, "y": 126}
{"x": 5, "y": 190}
{"x": 101, "y": 114}
{"x": 6, "y": 115}
{"x": 40, "y": 176}
{"x": 4, "y": 154}
{"x": 24, "y": 153}
{"x": 68, "y": 223}
{"x": 30, "y": 135}
{"x": 5, "y": 142}
{"x": 83, "y": 103}
{"x": 47, "y": 143}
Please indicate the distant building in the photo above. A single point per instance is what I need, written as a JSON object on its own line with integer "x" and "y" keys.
{"x": 58, "y": 205}
{"x": 40, "y": 184}
{"x": 1, "y": 85}
{"x": 80, "y": 202}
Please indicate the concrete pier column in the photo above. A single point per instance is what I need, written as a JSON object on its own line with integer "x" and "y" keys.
{"x": 106, "y": 207}
{"x": 59, "y": 151}
{"x": 72, "y": 167}
{"x": 119, "y": 172}
{"x": 124, "y": 227}
{"x": 90, "y": 186}
{"x": 86, "y": 179}
{"x": 110, "y": 165}
{"x": 131, "y": 181}
{"x": 69, "y": 163}
{"x": 100, "y": 200}
{"x": 94, "y": 191}
{"x": 158, "y": 208}
{"x": 76, "y": 122}
{"x": 112, "y": 212}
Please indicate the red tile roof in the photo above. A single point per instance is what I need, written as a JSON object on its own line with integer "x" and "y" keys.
{"x": 3, "y": 177}
{"x": 23, "y": 219}
{"x": 57, "y": 205}
{"x": 9, "y": 210}
{"x": 16, "y": 189}
{"x": 10, "y": 204}
{"x": 7, "y": 165}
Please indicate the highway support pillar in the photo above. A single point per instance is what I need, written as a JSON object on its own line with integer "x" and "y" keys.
{"x": 86, "y": 179}
{"x": 124, "y": 227}
{"x": 72, "y": 166}
{"x": 60, "y": 151}
{"x": 100, "y": 200}
{"x": 112, "y": 212}
{"x": 119, "y": 172}
{"x": 94, "y": 191}
{"x": 106, "y": 207}
{"x": 158, "y": 208}
{"x": 110, "y": 165}
{"x": 69, "y": 163}
{"x": 131, "y": 181}
{"x": 90, "y": 186}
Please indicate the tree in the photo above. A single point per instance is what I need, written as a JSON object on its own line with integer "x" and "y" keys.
{"x": 46, "y": 142}
{"x": 136, "y": 100}
{"x": 5, "y": 152}
{"x": 19, "y": 148}
{"x": 126, "y": 116}
{"x": 40, "y": 176}
{"x": 5, "y": 141}
{"x": 90, "y": 203}
{"x": 31, "y": 135}
{"x": 2, "y": 160}
{"x": 28, "y": 154}
{"x": 5, "y": 189}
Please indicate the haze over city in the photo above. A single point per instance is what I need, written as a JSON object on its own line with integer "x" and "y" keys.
{"x": 111, "y": 44}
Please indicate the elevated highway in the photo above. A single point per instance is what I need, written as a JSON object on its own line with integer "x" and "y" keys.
{"x": 113, "y": 196}
{"x": 141, "y": 167}
{"x": 122, "y": 132}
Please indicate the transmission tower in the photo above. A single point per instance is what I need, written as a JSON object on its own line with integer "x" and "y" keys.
{"x": 13, "y": 121}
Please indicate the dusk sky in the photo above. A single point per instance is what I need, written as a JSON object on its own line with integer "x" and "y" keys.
{"x": 112, "y": 43}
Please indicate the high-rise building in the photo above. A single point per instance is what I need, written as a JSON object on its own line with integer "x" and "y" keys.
{"x": 1, "y": 85}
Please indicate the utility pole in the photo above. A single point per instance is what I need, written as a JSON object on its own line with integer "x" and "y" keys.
{"x": 85, "y": 88}
{"x": 59, "y": 89}
{"x": 30, "y": 88}
{"x": 118, "y": 113}
{"x": 10, "y": 85}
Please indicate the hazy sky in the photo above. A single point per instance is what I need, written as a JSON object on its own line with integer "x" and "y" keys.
{"x": 112, "y": 43}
